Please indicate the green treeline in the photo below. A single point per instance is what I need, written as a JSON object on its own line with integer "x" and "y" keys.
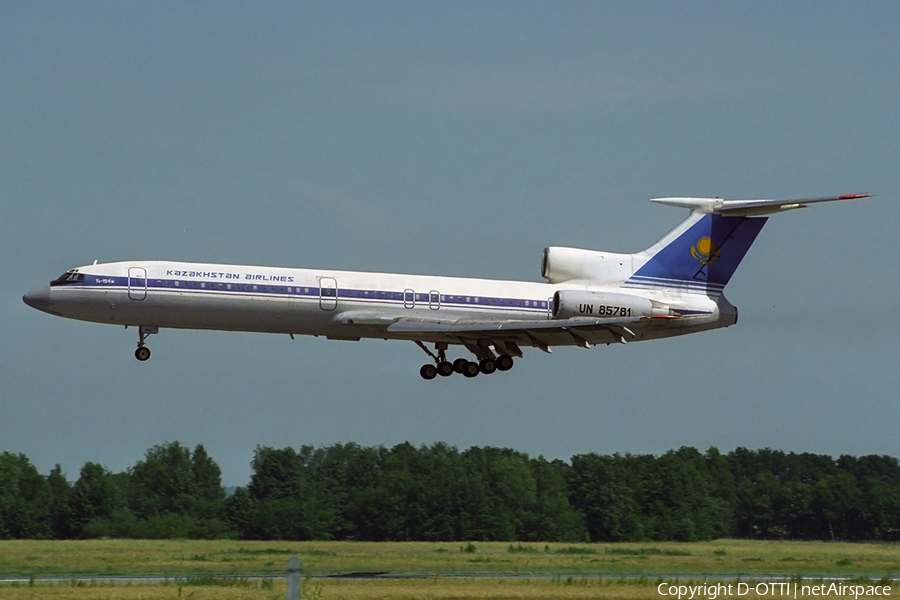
{"x": 438, "y": 493}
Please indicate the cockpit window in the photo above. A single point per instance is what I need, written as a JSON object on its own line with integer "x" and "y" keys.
{"x": 69, "y": 277}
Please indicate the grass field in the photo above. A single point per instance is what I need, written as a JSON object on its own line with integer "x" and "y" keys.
{"x": 197, "y": 558}
{"x": 571, "y": 588}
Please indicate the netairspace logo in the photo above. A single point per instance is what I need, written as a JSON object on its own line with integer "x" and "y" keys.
{"x": 791, "y": 590}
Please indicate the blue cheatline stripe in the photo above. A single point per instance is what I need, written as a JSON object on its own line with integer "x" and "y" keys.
{"x": 420, "y": 299}
{"x": 673, "y": 283}
{"x": 657, "y": 280}
{"x": 683, "y": 286}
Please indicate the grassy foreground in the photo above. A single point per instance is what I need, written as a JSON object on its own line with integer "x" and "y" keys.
{"x": 419, "y": 589}
{"x": 225, "y": 557}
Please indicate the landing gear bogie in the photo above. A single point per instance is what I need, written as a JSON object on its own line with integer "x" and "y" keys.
{"x": 487, "y": 362}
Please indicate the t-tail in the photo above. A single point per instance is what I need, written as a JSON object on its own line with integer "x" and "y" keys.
{"x": 699, "y": 256}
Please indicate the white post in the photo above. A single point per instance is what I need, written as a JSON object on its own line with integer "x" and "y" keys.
{"x": 293, "y": 579}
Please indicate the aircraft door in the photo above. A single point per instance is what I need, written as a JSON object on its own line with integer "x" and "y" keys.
{"x": 327, "y": 293}
{"x": 434, "y": 300}
{"x": 137, "y": 283}
{"x": 409, "y": 298}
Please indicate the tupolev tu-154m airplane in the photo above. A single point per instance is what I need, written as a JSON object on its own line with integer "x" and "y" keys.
{"x": 673, "y": 288}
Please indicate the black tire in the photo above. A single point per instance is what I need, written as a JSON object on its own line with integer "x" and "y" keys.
{"x": 142, "y": 353}
{"x": 445, "y": 369}
{"x": 471, "y": 369}
{"x": 428, "y": 371}
{"x": 459, "y": 364}
{"x": 504, "y": 363}
{"x": 487, "y": 366}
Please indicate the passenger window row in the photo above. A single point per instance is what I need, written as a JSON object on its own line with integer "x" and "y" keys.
{"x": 433, "y": 298}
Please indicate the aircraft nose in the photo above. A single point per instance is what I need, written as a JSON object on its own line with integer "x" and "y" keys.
{"x": 39, "y": 299}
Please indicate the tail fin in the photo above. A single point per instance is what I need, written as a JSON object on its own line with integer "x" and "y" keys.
{"x": 700, "y": 255}
{"x": 704, "y": 251}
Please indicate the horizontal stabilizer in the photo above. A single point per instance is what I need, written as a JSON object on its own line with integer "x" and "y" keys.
{"x": 748, "y": 208}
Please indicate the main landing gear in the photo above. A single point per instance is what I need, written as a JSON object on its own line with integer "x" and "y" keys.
{"x": 486, "y": 365}
{"x": 143, "y": 352}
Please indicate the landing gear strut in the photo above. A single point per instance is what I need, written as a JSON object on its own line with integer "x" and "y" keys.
{"x": 143, "y": 352}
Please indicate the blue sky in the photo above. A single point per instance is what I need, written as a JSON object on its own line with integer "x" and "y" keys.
{"x": 460, "y": 139}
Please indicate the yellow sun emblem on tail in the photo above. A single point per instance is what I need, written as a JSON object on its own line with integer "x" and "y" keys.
{"x": 705, "y": 251}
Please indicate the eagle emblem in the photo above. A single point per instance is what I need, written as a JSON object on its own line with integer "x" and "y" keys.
{"x": 705, "y": 251}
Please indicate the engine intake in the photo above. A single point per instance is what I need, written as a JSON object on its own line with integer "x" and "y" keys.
{"x": 567, "y": 264}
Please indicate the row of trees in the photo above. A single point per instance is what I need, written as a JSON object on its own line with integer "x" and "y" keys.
{"x": 172, "y": 493}
{"x": 350, "y": 492}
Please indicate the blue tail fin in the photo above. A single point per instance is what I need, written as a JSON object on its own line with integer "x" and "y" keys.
{"x": 700, "y": 255}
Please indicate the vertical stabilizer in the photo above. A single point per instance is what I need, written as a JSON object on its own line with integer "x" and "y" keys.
{"x": 700, "y": 255}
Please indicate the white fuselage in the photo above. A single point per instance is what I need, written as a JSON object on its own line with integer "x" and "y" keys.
{"x": 343, "y": 304}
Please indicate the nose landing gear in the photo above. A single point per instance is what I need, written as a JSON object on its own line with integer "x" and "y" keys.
{"x": 143, "y": 352}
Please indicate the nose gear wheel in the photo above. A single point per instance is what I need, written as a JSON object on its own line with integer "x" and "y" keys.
{"x": 143, "y": 352}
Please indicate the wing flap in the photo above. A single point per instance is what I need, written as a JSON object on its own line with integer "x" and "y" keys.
{"x": 369, "y": 319}
{"x": 550, "y": 326}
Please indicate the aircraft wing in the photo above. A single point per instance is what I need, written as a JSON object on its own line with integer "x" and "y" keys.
{"x": 404, "y": 325}
{"x": 540, "y": 334}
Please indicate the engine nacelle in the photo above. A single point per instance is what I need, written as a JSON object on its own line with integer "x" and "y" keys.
{"x": 565, "y": 264}
{"x": 600, "y": 305}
